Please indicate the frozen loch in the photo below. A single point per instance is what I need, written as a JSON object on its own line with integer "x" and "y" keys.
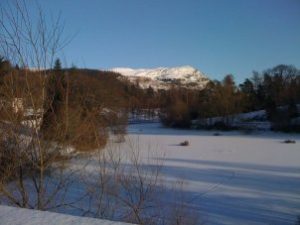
{"x": 230, "y": 178}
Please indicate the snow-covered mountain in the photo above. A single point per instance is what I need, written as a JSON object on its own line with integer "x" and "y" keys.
{"x": 163, "y": 78}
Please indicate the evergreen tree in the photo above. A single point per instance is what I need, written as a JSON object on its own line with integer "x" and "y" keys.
{"x": 249, "y": 96}
{"x": 57, "y": 65}
{"x": 54, "y": 106}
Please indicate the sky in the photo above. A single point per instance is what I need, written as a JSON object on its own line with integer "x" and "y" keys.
{"x": 218, "y": 37}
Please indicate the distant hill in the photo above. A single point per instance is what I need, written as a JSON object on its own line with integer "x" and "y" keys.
{"x": 163, "y": 78}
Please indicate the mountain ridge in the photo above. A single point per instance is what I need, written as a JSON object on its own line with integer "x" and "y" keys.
{"x": 164, "y": 77}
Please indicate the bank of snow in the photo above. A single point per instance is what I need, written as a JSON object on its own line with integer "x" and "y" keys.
{"x": 19, "y": 216}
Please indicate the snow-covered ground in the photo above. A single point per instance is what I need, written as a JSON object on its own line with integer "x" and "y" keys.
{"x": 255, "y": 120}
{"x": 18, "y": 216}
{"x": 233, "y": 178}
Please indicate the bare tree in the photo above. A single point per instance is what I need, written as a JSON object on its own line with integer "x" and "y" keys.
{"x": 32, "y": 175}
{"x": 127, "y": 185}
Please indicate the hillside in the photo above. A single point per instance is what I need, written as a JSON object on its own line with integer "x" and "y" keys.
{"x": 163, "y": 77}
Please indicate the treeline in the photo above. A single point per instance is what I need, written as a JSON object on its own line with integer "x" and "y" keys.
{"x": 277, "y": 90}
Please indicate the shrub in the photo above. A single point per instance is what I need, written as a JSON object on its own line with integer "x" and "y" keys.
{"x": 288, "y": 141}
{"x": 184, "y": 143}
{"x": 176, "y": 115}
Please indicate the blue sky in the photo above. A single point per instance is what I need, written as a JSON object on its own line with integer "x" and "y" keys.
{"x": 216, "y": 36}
